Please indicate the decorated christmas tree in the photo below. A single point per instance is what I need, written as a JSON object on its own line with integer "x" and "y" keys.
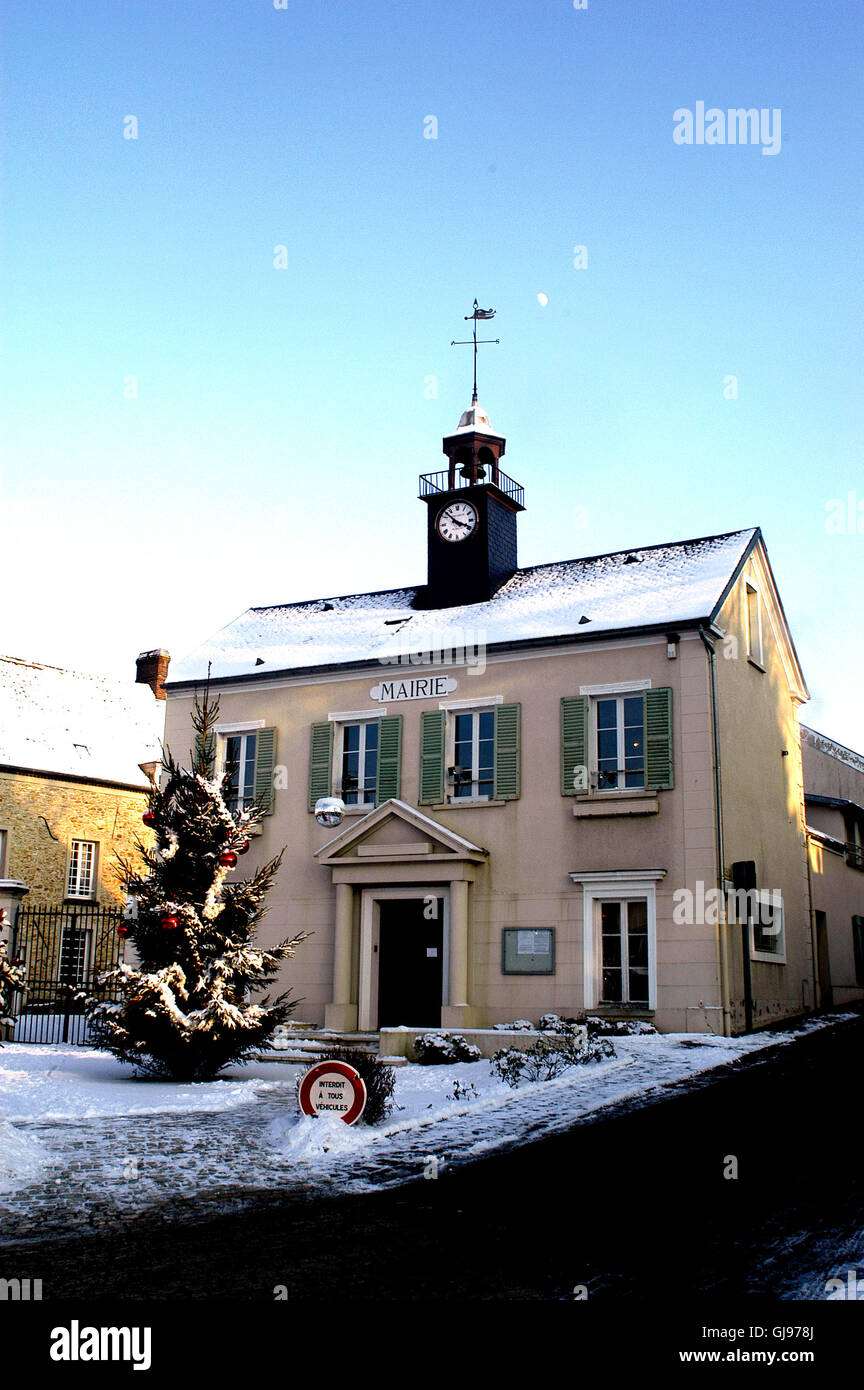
{"x": 186, "y": 1009}
{"x": 12, "y": 978}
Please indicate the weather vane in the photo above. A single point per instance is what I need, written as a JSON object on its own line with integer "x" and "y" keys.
{"x": 469, "y": 318}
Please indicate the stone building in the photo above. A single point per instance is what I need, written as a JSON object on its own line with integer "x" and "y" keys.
{"x": 77, "y": 757}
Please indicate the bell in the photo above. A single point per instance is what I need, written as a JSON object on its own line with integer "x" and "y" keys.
{"x": 474, "y": 472}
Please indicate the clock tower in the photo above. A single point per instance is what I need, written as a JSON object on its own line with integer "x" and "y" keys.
{"x": 472, "y": 509}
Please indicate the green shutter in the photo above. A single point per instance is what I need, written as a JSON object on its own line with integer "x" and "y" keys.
{"x": 206, "y": 766}
{"x": 320, "y": 761}
{"x": 574, "y": 744}
{"x": 388, "y": 782}
{"x": 658, "y": 738}
{"x": 265, "y": 761}
{"x": 507, "y": 721}
{"x": 432, "y": 757}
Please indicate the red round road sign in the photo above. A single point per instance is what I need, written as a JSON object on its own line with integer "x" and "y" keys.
{"x": 335, "y": 1088}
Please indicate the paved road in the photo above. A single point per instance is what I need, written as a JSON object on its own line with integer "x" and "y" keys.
{"x": 632, "y": 1206}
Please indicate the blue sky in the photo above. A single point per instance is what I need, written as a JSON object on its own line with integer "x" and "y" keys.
{"x": 282, "y": 415}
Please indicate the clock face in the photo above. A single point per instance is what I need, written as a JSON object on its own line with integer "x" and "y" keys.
{"x": 456, "y": 522}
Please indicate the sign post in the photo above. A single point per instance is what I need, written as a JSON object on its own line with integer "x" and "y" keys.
{"x": 333, "y": 1088}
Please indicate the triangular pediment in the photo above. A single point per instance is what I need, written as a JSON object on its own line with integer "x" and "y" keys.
{"x": 396, "y": 832}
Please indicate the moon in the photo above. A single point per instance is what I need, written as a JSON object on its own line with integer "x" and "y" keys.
{"x": 542, "y": 300}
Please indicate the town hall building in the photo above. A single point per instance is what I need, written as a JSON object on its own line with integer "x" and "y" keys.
{"x": 573, "y": 788}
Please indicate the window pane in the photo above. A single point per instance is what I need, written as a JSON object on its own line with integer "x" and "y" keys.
{"x": 611, "y": 993}
{"x": 487, "y": 724}
{"x": 633, "y": 711}
{"x": 637, "y": 951}
{"x": 607, "y": 714}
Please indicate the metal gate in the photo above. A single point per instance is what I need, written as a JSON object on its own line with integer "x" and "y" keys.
{"x": 64, "y": 950}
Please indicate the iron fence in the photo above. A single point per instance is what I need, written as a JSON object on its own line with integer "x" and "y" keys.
{"x": 64, "y": 951}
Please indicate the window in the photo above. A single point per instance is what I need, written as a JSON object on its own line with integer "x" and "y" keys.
{"x": 620, "y": 735}
{"x": 357, "y": 759}
{"x": 624, "y": 952}
{"x": 470, "y": 755}
{"x": 473, "y": 768}
{"x": 82, "y": 870}
{"x": 619, "y": 939}
{"x": 359, "y": 764}
{"x": 2, "y": 853}
{"x": 767, "y": 931}
{"x": 240, "y": 750}
{"x": 615, "y": 741}
{"x": 754, "y": 624}
{"x": 247, "y": 754}
{"x": 74, "y": 944}
{"x": 528, "y": 951}
{"x": 858, "y": 948}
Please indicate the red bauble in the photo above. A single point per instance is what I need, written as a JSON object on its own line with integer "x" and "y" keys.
{"x": 244, "y": 848}
{"x": 122, "y": 930}
{"x": 170, "y": 922}
{"x": 228, "y": 858}
{"x": 149, "y": 818}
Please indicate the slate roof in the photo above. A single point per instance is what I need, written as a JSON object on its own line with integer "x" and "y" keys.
{"x": 58, "y": 721}
{"x": 660, "y": 586}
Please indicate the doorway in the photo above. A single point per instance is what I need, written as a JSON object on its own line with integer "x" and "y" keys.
{"x": 823, "y": 961}
{"x": 410, "y": 962}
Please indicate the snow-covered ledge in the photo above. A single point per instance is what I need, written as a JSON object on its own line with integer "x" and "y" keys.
{"x": 399, "y": 1042}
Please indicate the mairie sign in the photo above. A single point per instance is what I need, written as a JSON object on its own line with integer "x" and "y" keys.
{"x": 333, "y": 1088}
{"x": 416, "y": 688}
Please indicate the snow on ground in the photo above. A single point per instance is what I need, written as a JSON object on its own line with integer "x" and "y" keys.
{"x": 83, "y": 1142}
{"x": 23, "y": 1160}
{"x": 56, "y": 1081}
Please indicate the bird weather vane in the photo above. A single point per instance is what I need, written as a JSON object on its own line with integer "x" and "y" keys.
{"x": 474, "y": 341}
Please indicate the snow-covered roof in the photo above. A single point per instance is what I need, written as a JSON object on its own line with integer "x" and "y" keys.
{"x": 661, "y": 585}
{"x": 53, "y": 720}
{"x": 475, "y": 420}
{"x": 824, "y": 744}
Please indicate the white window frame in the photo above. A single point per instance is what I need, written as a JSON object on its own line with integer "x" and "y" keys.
{"x": 618, "y": 693}
{"x": 755, "y": 651}
{"x": 362, "y": 720}
{"x": 619, "y": 886}
{"x": 474, "y": 710}
{"x": 73, "y": 885}
{"x": 242, "y": 731}
{"x": 777, "y": 957}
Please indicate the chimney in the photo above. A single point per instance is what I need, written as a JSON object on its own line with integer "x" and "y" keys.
{"x": 152, "y": 670}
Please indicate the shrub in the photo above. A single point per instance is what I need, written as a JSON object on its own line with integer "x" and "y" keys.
{"x": 549, "y": 1057}
{"x": 617, "y": 1027}
{"x": 463, "y": 1090}
{"x": 554, "y": 1023}
{"x": 377, "y": 1077}
{"x": 442, "y": 1049}
{"x": 519, "y": 1025}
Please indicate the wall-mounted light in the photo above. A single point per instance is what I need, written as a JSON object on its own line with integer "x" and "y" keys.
{"x": 672, "y": 640}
